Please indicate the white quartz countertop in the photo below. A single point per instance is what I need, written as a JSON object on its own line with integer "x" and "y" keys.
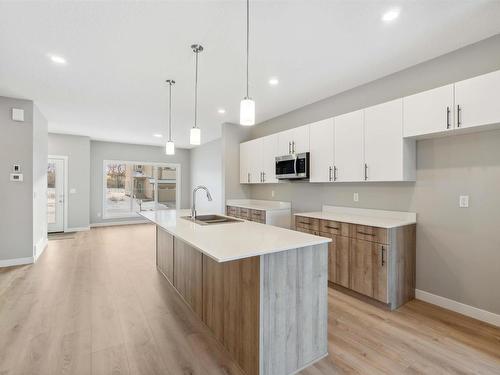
{"x": 361, "y": 216}
{"x": 256, "y": 204}
{"x": 231, "y": 241}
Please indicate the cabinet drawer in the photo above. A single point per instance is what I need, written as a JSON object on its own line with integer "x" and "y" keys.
{"x": 307, "y": 223}
{"x": 258, "y": 215}
{"x": 373, "y": 234}
{"x": 304, "y": 230}
{"x": 233, "y": 211}
{"x": 334, "y": 227}
{"x": 244, "y": 213}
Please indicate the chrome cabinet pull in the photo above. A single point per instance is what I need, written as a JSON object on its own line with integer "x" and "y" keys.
{"x": 383, "y": 260}
{"x": 248, "y": 177}
{"x": 334, "y": 173}
{"x": 289, "y": 147}
{"x": 366, "y": 171}
{"x": 447, "y": 117}
{"x": 329, "y": 173}
{"x": 263, "y": 176}
{"x": 459, "y": 116}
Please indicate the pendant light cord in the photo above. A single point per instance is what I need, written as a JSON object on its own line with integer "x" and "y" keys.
{"x": 196, "y": 92}
{"x": 170, "y": 112}
{"x": 248, "y": 37}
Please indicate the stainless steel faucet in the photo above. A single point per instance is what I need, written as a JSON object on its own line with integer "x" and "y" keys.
{"x": 193, "y": 204}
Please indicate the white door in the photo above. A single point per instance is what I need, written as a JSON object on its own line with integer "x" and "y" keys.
{"x": 55, "y": 195}
{"x": 285, "y": 142}
{"x": 384, "y": 141}
{"x": 321, "y": 144}
{"x": 348, "y": 149}
{"x": 476, "y": 101}
{"x": 244, "y": 163}
{"x": 269, "y": 153}
{"x": 300, "y": 139}
{"x": 255, "y": 160}
{"x": 428, "y": 112}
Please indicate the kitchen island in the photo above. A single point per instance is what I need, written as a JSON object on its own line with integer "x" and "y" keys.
{"x": 260, "y": 289}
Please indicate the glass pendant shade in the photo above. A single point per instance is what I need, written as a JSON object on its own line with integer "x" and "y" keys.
{"x": 170, "y": 148}
{"x": 195, "y": 136}
{"x": 247, "y": 112}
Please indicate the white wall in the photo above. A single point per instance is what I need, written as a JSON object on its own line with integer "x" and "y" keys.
{"x": 206, "y": 169}
{"x": 77, "y": 149}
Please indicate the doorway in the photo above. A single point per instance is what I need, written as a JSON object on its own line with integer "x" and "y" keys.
{"x": 56, "y": 196}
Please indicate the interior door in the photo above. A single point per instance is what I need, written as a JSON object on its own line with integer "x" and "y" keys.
{"x": 55, "y": 195}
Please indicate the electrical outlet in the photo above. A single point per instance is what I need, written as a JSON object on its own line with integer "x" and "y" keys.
{"x": 463, "y": 201}
{"x": 355, "y": 197}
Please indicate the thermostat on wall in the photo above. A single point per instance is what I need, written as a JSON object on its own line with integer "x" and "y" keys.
{"x": 17, "y": 177}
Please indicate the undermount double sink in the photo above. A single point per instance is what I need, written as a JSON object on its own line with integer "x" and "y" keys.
{"x": 211, "y": 219}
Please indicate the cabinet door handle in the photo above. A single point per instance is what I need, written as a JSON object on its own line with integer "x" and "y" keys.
{"x": 366, "y": 234}
{"x": 334, "y": 173}
{"x": 459, "y": 116}
{"x": 330, "y": 227}
{"x": 329, "y": 173}
{"x": 366, "y": 171}
{"x": 447, "y": 117}
{"x": 383, "y": 260}
{"x": 248, "y": 177}
{"x": 263, "y": 176}
{"x": 293, "y": 147}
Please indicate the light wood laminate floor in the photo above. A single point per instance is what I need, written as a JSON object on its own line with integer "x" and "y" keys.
{"x": 95, "y": 304}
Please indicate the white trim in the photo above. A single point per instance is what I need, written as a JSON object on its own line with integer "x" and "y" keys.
{"x": 40, "y": 247}
{"x": 131, "y": 214}
{"x": 114, "y": 223}
{"x": 66, "y": 182}
{"x": 15, "y": 262}
{"x": 77, "y": 229}
{"x": 461, "y": 308}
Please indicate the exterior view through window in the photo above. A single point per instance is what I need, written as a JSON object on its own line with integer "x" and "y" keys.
{"x": 131, "y": 187}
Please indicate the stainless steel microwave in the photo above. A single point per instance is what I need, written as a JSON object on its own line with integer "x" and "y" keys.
{"x": 293, "y": 166}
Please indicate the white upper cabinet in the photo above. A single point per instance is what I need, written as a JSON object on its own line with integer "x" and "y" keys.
{"x": 269, "y": 153}
{"x": 294, "y": 140}
{"x": 348, "y": 146}
{"x": 244, "y": 163}
{"x": 477, "y": 101}
{"x": 321, "y": 135}
{"x": 388, "y": 157}
{"x": 256, "y": 160}
{"x": 428, "y": 112}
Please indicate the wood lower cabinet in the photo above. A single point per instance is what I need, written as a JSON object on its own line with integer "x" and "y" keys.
{"x": 338, "y": 259}
{"x": 165, "y": 253}
{"x": 376, "y": 262}
{"x": 188, "y": 275}
{"x": 258, "y": 216}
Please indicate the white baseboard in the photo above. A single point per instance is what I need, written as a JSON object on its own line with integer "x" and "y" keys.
{"x": 77, "y": 229}
{"x": 15, "y": 262}
{"x": 461, "y": 308}
{"x": 113, "y": 223}
{"x": 40, "y": 247}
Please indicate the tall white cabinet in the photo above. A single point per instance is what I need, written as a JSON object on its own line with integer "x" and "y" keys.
{"x": 294, "y": 140}
{"x": 321, "y": 139}
{"x": 349, "y": 147}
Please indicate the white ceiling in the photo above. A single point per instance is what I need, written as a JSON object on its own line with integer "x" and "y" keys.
{"x": 120, "y": 53}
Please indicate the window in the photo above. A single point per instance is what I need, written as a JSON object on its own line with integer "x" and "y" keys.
{"x": 130, "y": 187}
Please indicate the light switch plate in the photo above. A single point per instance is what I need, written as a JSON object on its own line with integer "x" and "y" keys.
{"x": 355, "y": 197}
{"x": 463, "y": 201}
{"x": 17, "y": 114}
{"x": 16, "y": 168}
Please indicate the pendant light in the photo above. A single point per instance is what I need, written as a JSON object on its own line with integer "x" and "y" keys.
{"x": 195, "y": 134}
{"x": 170, "y": 146}
{"x": 247, "y": 105}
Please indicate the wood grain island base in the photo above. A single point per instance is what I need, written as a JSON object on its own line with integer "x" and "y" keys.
{"x": 268, "y": 311}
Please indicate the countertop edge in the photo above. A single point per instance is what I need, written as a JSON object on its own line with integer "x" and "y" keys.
{"x": 361, "y": 220}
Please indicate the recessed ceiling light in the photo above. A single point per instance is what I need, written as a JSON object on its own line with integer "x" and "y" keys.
{"x": 58, "y": 59}
{"x": 273, "y": 81}
{"x": 157, "y": 135}
{"x": 221, "y": 111}
{"x": 390, "y": 15}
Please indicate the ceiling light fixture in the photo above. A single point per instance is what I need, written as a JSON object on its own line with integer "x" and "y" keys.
{"x": 247, "y": 105}
{"x": 273, "y": 81}
{"x": 221, "y": 111}
{"x": 195, "y": 134}
{"x": 170, "y": 146}
{"x": 58, "y": 59}
{"x": 390, "y": 15}
{"x": 158, "y": 135}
